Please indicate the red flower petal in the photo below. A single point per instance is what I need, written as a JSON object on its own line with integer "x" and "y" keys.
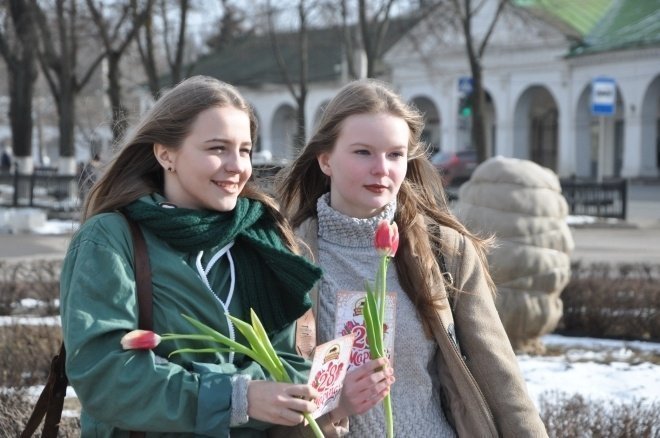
{"x": 140, "y": 340}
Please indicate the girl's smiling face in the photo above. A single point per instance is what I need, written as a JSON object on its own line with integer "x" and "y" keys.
{"x": 212, "y": 165}
{"x": 367, "y": 164}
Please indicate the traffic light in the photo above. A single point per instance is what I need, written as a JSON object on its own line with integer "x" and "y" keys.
{"x": 465, "y": 105}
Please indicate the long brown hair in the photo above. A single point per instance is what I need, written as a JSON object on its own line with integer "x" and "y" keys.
{"x": 135, "y": 172}
{"x": 421, "y": 202}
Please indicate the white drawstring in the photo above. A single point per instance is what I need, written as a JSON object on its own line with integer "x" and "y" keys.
{"x": 203, "y": 272}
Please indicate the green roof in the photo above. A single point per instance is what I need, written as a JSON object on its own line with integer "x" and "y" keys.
{"x": 628, "y": 23}
{"x": 602, "y": 25}
{"x": 250, "y": 61}
{"x": 580, "y": 15}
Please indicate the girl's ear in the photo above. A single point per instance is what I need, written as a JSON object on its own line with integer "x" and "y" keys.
{"x": 324, "y": 163}
{"x": 164, "y": 156}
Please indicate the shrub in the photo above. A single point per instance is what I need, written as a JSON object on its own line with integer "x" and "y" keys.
{"x": 36, "y": 279}
{"x": 26, "y": 352}
{"x": 605, "y": 301}
{"x": 576, "y": 416}
{"x": 15, "y": 410}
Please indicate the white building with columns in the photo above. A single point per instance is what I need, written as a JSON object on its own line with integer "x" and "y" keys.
{"x": 538, "y": 70}
{"x": 538, "y": 77}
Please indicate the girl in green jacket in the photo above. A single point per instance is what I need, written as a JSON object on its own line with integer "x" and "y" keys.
{"x": 217, "y": 245}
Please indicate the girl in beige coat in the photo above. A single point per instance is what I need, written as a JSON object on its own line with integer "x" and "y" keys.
{"x": 456, "y": 372}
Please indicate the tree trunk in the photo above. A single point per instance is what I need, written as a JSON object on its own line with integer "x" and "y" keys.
{"x": 22, "y": 73}
{"x": 21, "y": 90}
{"x": 119, "y": 112}
{"x": 66, "y": 108}
{"x": 478, "y": 119}
{"x": 301, "y": 134}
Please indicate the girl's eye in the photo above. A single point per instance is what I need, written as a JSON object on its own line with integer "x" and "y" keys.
{"x": 246, "y": 151}
{"x": 362, "y": 152}
{"x": 398, "y": 154}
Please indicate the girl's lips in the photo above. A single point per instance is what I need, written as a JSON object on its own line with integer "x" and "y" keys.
{"x": 227, "y": 186}
{"x": 376, "y": 188}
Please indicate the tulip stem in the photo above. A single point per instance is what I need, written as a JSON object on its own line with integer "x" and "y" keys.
{"x": 389, "y": 420}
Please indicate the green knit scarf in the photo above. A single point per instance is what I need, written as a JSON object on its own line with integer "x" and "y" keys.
{"x": 269, "y": 277}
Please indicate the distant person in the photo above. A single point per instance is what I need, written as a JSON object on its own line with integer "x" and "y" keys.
{"x": 5, "y": 161}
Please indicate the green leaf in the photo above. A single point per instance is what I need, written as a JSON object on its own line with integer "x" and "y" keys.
{"x": 174, "y": 336}
{"x": 220, "y": 338}
{"x": 264, "y": 358}
{"x": 372, "y": 322}
{"x": 200, "y": 350}
{"x": 261, "y": 333}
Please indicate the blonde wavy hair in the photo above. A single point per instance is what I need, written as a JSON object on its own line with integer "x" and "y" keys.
{"x": 421, "y": 202}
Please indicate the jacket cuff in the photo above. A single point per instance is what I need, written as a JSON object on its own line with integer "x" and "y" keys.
{"x": 213, "y": 402}
{"x": 239, "y": 400}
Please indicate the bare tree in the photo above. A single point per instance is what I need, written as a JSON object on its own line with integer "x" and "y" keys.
{"x": 117, "y": 29}
{"x": 174, "y": 56}
{"x": 231, "y": 26}
{"x": 465, "y": 11}
{"x": 17, "y": 43}
{"x": 298, "y": 90}
{"x": 372, "y": 31}
{"x": 58, "y": 56}
{"x": 366, "y": 25}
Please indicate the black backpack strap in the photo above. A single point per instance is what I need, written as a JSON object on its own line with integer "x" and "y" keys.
{"x": 51, "y": 400}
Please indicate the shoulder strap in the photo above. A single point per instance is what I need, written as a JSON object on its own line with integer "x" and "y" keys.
{"x": 51, "y": 400}
{"x": 143, "y": 282}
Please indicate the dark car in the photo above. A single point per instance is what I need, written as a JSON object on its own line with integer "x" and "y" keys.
{"x": 455, "y": 167}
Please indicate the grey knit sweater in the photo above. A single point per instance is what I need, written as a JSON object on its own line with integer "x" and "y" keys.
{"x": 348, "y": 258}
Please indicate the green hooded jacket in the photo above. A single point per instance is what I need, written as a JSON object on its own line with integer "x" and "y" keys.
{"x": 122, "y": 390}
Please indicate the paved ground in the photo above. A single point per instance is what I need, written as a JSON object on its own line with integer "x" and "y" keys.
{"x": 636, "y": 240}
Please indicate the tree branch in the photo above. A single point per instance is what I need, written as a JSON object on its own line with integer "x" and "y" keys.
{"x": 491, "y": 27}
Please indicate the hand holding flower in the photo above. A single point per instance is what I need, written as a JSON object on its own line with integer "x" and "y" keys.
{"x": 364, "y": 387}
{"x": 279, "y": 403}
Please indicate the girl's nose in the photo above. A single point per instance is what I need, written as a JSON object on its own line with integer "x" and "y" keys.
{"x": 379, "y": 165}
{"x": 235, "y": 163}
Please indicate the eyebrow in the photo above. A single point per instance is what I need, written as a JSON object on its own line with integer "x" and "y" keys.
{"x": 359, "y": 144}
{"x": 224, "y": 140}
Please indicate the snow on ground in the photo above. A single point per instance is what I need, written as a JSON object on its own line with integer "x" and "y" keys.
{"x": 598, "y": 369}
{"x": 54, "y": 226}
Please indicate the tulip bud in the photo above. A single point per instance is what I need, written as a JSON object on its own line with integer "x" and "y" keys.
{"x": 387, "y": 238}
{"x": 140, "y": 340}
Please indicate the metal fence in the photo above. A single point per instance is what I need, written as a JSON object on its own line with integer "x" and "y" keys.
{"x": 606, "y": 199}
{"x": 43, "y": 188}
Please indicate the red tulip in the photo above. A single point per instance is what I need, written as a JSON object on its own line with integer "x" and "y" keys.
{"x": 387, "y": 238}
{"x": 140, "y": 340}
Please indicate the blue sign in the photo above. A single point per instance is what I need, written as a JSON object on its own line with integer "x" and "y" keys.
{"x": 465, "y": 84}
{"x": 603, "y": 96}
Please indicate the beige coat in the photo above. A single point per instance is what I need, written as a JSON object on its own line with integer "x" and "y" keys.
{"x": 484, "y": 394}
